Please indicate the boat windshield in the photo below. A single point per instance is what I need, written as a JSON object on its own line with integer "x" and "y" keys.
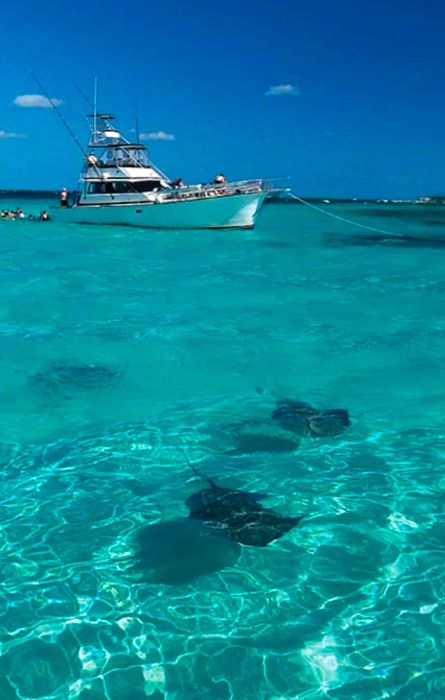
{"x": 124, "y": 156}
{"x": 122, "y": 186}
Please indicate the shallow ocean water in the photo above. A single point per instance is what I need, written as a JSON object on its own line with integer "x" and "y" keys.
{"x": 198, "y": 331}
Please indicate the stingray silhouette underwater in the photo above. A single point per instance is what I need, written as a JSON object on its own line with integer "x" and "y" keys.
{"x": 289, "y": 421}
{"x": 303, "y": 419}
{"x": 220, "y": 520}
{"x": 239, "y": 515}
{"x": 60, "y": 376}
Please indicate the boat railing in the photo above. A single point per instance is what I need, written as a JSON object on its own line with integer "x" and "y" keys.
{"x": 216, "y": 190}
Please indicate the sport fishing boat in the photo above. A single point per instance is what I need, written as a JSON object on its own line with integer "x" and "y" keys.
{"x": 120, "y": 185}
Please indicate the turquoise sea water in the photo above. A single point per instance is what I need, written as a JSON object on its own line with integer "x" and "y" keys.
{"x": 197, "y": 332}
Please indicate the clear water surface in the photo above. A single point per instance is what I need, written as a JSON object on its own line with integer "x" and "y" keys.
{"x": 195, "y": 332}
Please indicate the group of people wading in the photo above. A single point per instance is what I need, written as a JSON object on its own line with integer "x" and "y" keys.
{"x": 13, "y": 214}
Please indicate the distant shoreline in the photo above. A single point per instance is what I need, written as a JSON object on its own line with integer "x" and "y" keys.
{"x": 30, "y": 194}
{"x": 427, "y": 199}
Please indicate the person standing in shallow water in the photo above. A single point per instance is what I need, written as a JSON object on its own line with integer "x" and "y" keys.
{"x": 64, "y": 197}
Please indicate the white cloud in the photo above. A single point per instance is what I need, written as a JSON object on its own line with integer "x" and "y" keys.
{"x": 36, "y": 101}
{"x": 284, "y": 89}
{"x": 10, "y": 135}
{"x": 156, "y": 136}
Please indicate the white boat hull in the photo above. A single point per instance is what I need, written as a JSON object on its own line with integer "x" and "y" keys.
{"x": 233, "y": 211}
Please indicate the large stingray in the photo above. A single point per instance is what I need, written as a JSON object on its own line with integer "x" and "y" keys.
{"x": 238, "y": 515}
{"x": 179, "y": 551}
{"x": 302, "y": 419}
{"x": 82, "y": 376}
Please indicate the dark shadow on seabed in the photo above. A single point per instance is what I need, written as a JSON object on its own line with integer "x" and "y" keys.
{"x": 335, "y": 240}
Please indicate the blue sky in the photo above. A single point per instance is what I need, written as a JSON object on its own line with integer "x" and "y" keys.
{"x": 367, "y": 118}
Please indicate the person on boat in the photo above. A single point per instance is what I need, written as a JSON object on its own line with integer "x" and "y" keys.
{"x": 178, "y": 182}
{"x": 44, "y": 216}
{"x": 92, "y": 160}
{"x": 64, "y": 197}
{"x": 220, "y": 179}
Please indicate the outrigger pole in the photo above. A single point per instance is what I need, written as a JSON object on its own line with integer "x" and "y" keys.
{"x": 87, "y": 100}
{"x": 137, "y": 120}
{"x": 67, "y": 126}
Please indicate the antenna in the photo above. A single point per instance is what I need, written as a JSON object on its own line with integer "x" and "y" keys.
{"x": 95, "y": 107}
{"x": 137, "y": 121}
{"x": 137, "y": 130}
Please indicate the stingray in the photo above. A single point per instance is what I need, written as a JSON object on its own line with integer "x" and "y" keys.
{"x": 83, "y": 376}
{"x": 303, "y": 419}
{"x": 238, "y": 515}
{"x": 179, "y": 551}
{"x": 220, "y": 519}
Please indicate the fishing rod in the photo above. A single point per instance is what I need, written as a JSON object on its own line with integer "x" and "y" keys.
{"x": 87, "y": 100}
{"x": 60, "y": 115}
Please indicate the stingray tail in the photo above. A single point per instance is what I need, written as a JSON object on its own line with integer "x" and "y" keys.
{"x": 198, "y": 473}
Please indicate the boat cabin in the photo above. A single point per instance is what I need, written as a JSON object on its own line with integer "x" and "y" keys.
{"x": 116, "y": 170}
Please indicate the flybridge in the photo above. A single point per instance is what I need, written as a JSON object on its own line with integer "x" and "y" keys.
{"x": 111, "y": 150}
{"x": 102, "y": 132}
